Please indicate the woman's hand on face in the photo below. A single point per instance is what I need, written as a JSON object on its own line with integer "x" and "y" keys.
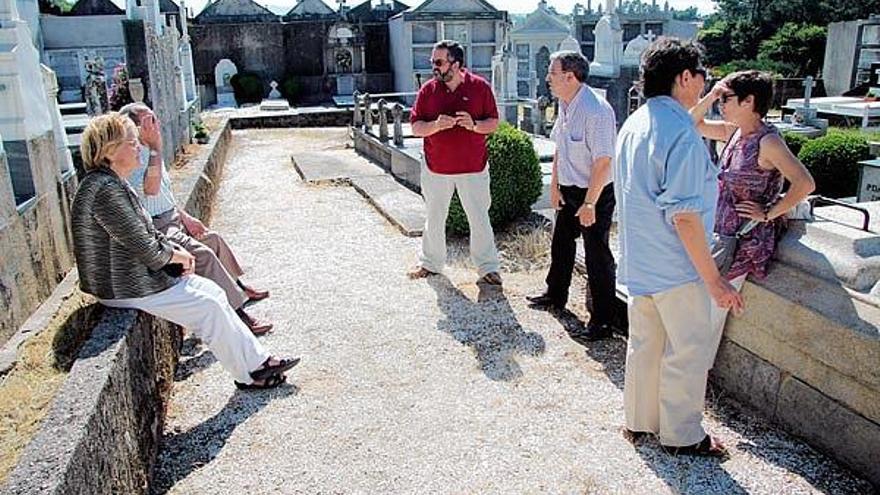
{"x": 184, "y": 258}
{"x": 751, "y": 210}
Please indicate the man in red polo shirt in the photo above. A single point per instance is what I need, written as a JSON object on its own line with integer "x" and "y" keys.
{"x": 454, "y": 112}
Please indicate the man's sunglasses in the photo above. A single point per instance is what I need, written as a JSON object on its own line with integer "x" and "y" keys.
{"x": 699, "y": 71}
{"x": 438, "y": 62}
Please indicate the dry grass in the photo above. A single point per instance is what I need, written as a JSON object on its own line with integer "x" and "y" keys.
{"x": 26, "y": 392}
{"x": 522, "y": 247}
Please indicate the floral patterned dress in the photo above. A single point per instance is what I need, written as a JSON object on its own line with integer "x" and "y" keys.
{"x": 741, "y": 179}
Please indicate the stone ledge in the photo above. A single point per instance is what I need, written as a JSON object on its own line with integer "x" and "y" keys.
{"x": 103, "y": 430}
{"x": 800, "y": 409}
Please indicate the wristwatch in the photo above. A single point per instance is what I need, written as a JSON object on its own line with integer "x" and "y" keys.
{"x": 589, "y": 205}
{"x": 154, "y": 153}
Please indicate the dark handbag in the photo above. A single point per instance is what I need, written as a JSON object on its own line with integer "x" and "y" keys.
{"x": 724, "y": 246}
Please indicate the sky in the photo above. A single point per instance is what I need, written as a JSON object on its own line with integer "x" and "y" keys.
{"x": 513, "y": 6}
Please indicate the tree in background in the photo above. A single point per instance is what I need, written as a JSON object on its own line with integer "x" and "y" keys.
{"x": 739, "y": 28}
{"x": 800, "y": 45}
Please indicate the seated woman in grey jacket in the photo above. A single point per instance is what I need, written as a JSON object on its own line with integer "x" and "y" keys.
{"x": 126, "y": 263}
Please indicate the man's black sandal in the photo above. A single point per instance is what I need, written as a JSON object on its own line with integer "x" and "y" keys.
{"x": 268, "y": 370}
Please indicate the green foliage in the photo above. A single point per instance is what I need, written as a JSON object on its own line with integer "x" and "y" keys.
{"x": 802, "y": 45}
{"x": 248, "y": 87}
{"x": 794, "y": 141}
{"x": 833, "y": 161}
{"x": 748, "y": 23}
{"x": 688, "y": 14}
{"x": 716, "y": 40}
{"x": 199, "y": 130}
{"x": 776, "y": 68}
{"x": 515, "y": 180}
{"x": 291, "y": 88}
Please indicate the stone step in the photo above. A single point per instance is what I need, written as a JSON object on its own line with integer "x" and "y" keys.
{"x": 72, "y": 108}
{"x": 400, "y": 205}
{"x": 323, "y": 167}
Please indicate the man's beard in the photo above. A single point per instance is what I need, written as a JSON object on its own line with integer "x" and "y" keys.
{"x": 443, "y": 76}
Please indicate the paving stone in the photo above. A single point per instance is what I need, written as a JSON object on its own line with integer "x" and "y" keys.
{"x": 401, "y": 206}
{"x": 318, "y": 167}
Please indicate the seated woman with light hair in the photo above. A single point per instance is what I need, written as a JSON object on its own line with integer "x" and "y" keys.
{"x": 126, "y": 263}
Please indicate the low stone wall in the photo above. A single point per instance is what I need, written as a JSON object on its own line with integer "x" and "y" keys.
{"x": 404, "y": 167}
{"x": 103, "y": 430}
{"x": 805, "y": 354}
{"x": 335, "y": 117}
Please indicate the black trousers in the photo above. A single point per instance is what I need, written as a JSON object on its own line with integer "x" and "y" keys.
{"x": 598, "y": 257}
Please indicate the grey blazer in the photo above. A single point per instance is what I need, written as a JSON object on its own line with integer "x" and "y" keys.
{"x": 119, "y": 253}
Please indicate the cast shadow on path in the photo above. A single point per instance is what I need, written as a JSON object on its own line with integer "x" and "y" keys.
{"x": 695, "y": 475}
{"x": 185, "y": 452}
{"x": 488, "y": 325}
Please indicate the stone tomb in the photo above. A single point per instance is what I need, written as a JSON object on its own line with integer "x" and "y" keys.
{"x": 223, "y": 72}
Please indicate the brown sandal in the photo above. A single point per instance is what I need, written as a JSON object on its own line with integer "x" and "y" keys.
{"x": 420, "y": 272}
{"x": 491, "y": 278}
{"x": 707, "y": 447}
{"x": 270, "y": 382}
{"x": 267, "y": 370}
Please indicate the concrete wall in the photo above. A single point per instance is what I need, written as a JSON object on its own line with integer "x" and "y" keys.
{"x": 617, "y": 90}
{"x": 84, "y": 31}
{"x": 35, "y": 239}
{"x": 839, "y": 62}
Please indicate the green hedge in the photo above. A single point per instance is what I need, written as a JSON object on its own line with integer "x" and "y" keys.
{"x": 833, "y": 161}
{"x": 795, "y": 141}
{"x": 515, "y": 177}
{"x": 248, "y": 87}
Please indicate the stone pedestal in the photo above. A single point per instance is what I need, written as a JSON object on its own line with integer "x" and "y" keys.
{"x": 609, "y": 47}
{"x": 65, "y": 161}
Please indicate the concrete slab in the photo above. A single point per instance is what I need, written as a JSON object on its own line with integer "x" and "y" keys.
{"x": 401, "y": 206}
{"x": 316, "y": 167}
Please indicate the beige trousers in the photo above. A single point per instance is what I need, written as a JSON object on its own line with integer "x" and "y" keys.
{"x": 672, "y": 345}
{"x": 214, "y": 258}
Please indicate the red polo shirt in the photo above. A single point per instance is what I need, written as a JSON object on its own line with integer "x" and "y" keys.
{"x": 455, "y": 150}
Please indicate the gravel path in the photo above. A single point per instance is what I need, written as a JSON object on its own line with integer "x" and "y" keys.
{"x": 421, "y": 386}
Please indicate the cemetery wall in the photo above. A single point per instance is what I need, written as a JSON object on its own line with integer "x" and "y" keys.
{"x": 103, "y": 430}
{"x": 808, "y": 363}
{"x": 301, "y": 46}
{"x": 35, "y": 239}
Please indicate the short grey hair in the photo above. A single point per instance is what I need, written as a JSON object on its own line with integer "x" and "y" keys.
{"x": 574, "y": 62}
{"x": 134, "y": 111}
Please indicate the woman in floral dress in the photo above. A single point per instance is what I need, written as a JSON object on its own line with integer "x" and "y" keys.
{"x": 754, "y": 164}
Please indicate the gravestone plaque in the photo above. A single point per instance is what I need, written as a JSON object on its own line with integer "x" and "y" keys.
{"x": 869, "y": 181}
{"x": 223, "y": 72}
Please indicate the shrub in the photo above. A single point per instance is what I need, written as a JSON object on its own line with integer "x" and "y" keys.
{"x": 833, "y": 161}
{"x": 795, "y": 141}
{"x": 515, "y": 180}
{"x": 773, "y": 67}
{"x": 799, "y": 45}
{"x": 248, "y": 87}
{"x": 291, "y": 89}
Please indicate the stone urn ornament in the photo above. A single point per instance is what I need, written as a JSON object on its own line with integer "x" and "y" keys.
{"x": 274, "y": 94}
{"x": 136, "y": 89}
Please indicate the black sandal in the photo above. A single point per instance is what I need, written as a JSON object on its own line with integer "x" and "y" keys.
{"x": 271, "y": 382}
{"x": 707, "y": 447}
{"x": 267, "y": 370}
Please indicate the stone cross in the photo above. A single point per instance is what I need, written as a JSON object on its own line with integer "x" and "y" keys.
{"x": 274, "y": 94}
{"x": 383, "y": 119}
{"x": 651, "y": 36}
{"x": 397, "y": 114}
{"x": 808, "y": 85}
{"x": 877, "y": 73}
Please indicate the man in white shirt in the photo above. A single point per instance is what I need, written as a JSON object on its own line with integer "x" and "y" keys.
{"x": 581, "y": 192}
{"x": 214, "y": 258}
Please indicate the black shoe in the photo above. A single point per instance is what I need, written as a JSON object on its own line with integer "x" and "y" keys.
{"x": 597, "y": 331}
{"x": 545, "y": 301}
